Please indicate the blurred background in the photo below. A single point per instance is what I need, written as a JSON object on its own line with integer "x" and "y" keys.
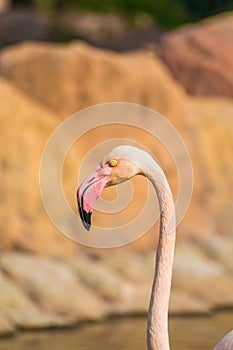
{"x": 57, "y": 57}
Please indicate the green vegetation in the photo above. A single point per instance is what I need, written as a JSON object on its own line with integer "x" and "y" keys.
{"x": 46, "y": 6}
{"x": 166, "y": 13}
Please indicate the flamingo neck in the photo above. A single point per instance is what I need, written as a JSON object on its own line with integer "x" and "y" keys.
{"x": 157, "y": 329}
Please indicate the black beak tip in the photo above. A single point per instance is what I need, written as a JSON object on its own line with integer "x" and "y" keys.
{"x": 86, "y": 225}
{"x": 87, "y": 220}
{"x": 85, "y": 217}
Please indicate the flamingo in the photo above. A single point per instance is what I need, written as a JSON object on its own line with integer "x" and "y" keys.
{"x": 119, "y": 165}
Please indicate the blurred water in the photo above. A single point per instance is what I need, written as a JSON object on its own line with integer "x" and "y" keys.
{"x": 186, "y": 333}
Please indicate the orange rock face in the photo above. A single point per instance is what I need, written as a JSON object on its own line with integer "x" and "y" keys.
{"x": 68, "y": 78}
{"x": 200, "y": 56}
{"x": 25, "y": 128}
{"x": 44, "y": 83}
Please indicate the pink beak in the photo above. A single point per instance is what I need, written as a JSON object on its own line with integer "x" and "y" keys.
{"x": 88, "y": 192}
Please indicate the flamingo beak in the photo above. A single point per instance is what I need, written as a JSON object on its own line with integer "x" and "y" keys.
{"x": 88, "y": 192}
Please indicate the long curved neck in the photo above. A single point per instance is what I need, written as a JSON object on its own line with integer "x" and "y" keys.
{"x": 157, "y": 330}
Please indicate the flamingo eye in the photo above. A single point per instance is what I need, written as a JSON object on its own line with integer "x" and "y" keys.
{"x": 112, "y": 163}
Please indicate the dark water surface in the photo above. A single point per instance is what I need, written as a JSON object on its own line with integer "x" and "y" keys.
{"x": 186, "y": 333}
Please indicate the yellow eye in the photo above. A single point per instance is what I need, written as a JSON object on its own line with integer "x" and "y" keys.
{"x": 112, "y": 163}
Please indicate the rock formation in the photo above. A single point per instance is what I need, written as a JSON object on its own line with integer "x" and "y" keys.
{"x": 200, "y": 56}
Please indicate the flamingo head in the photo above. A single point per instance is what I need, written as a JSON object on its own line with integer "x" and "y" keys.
{"x": 117, "y": 166}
